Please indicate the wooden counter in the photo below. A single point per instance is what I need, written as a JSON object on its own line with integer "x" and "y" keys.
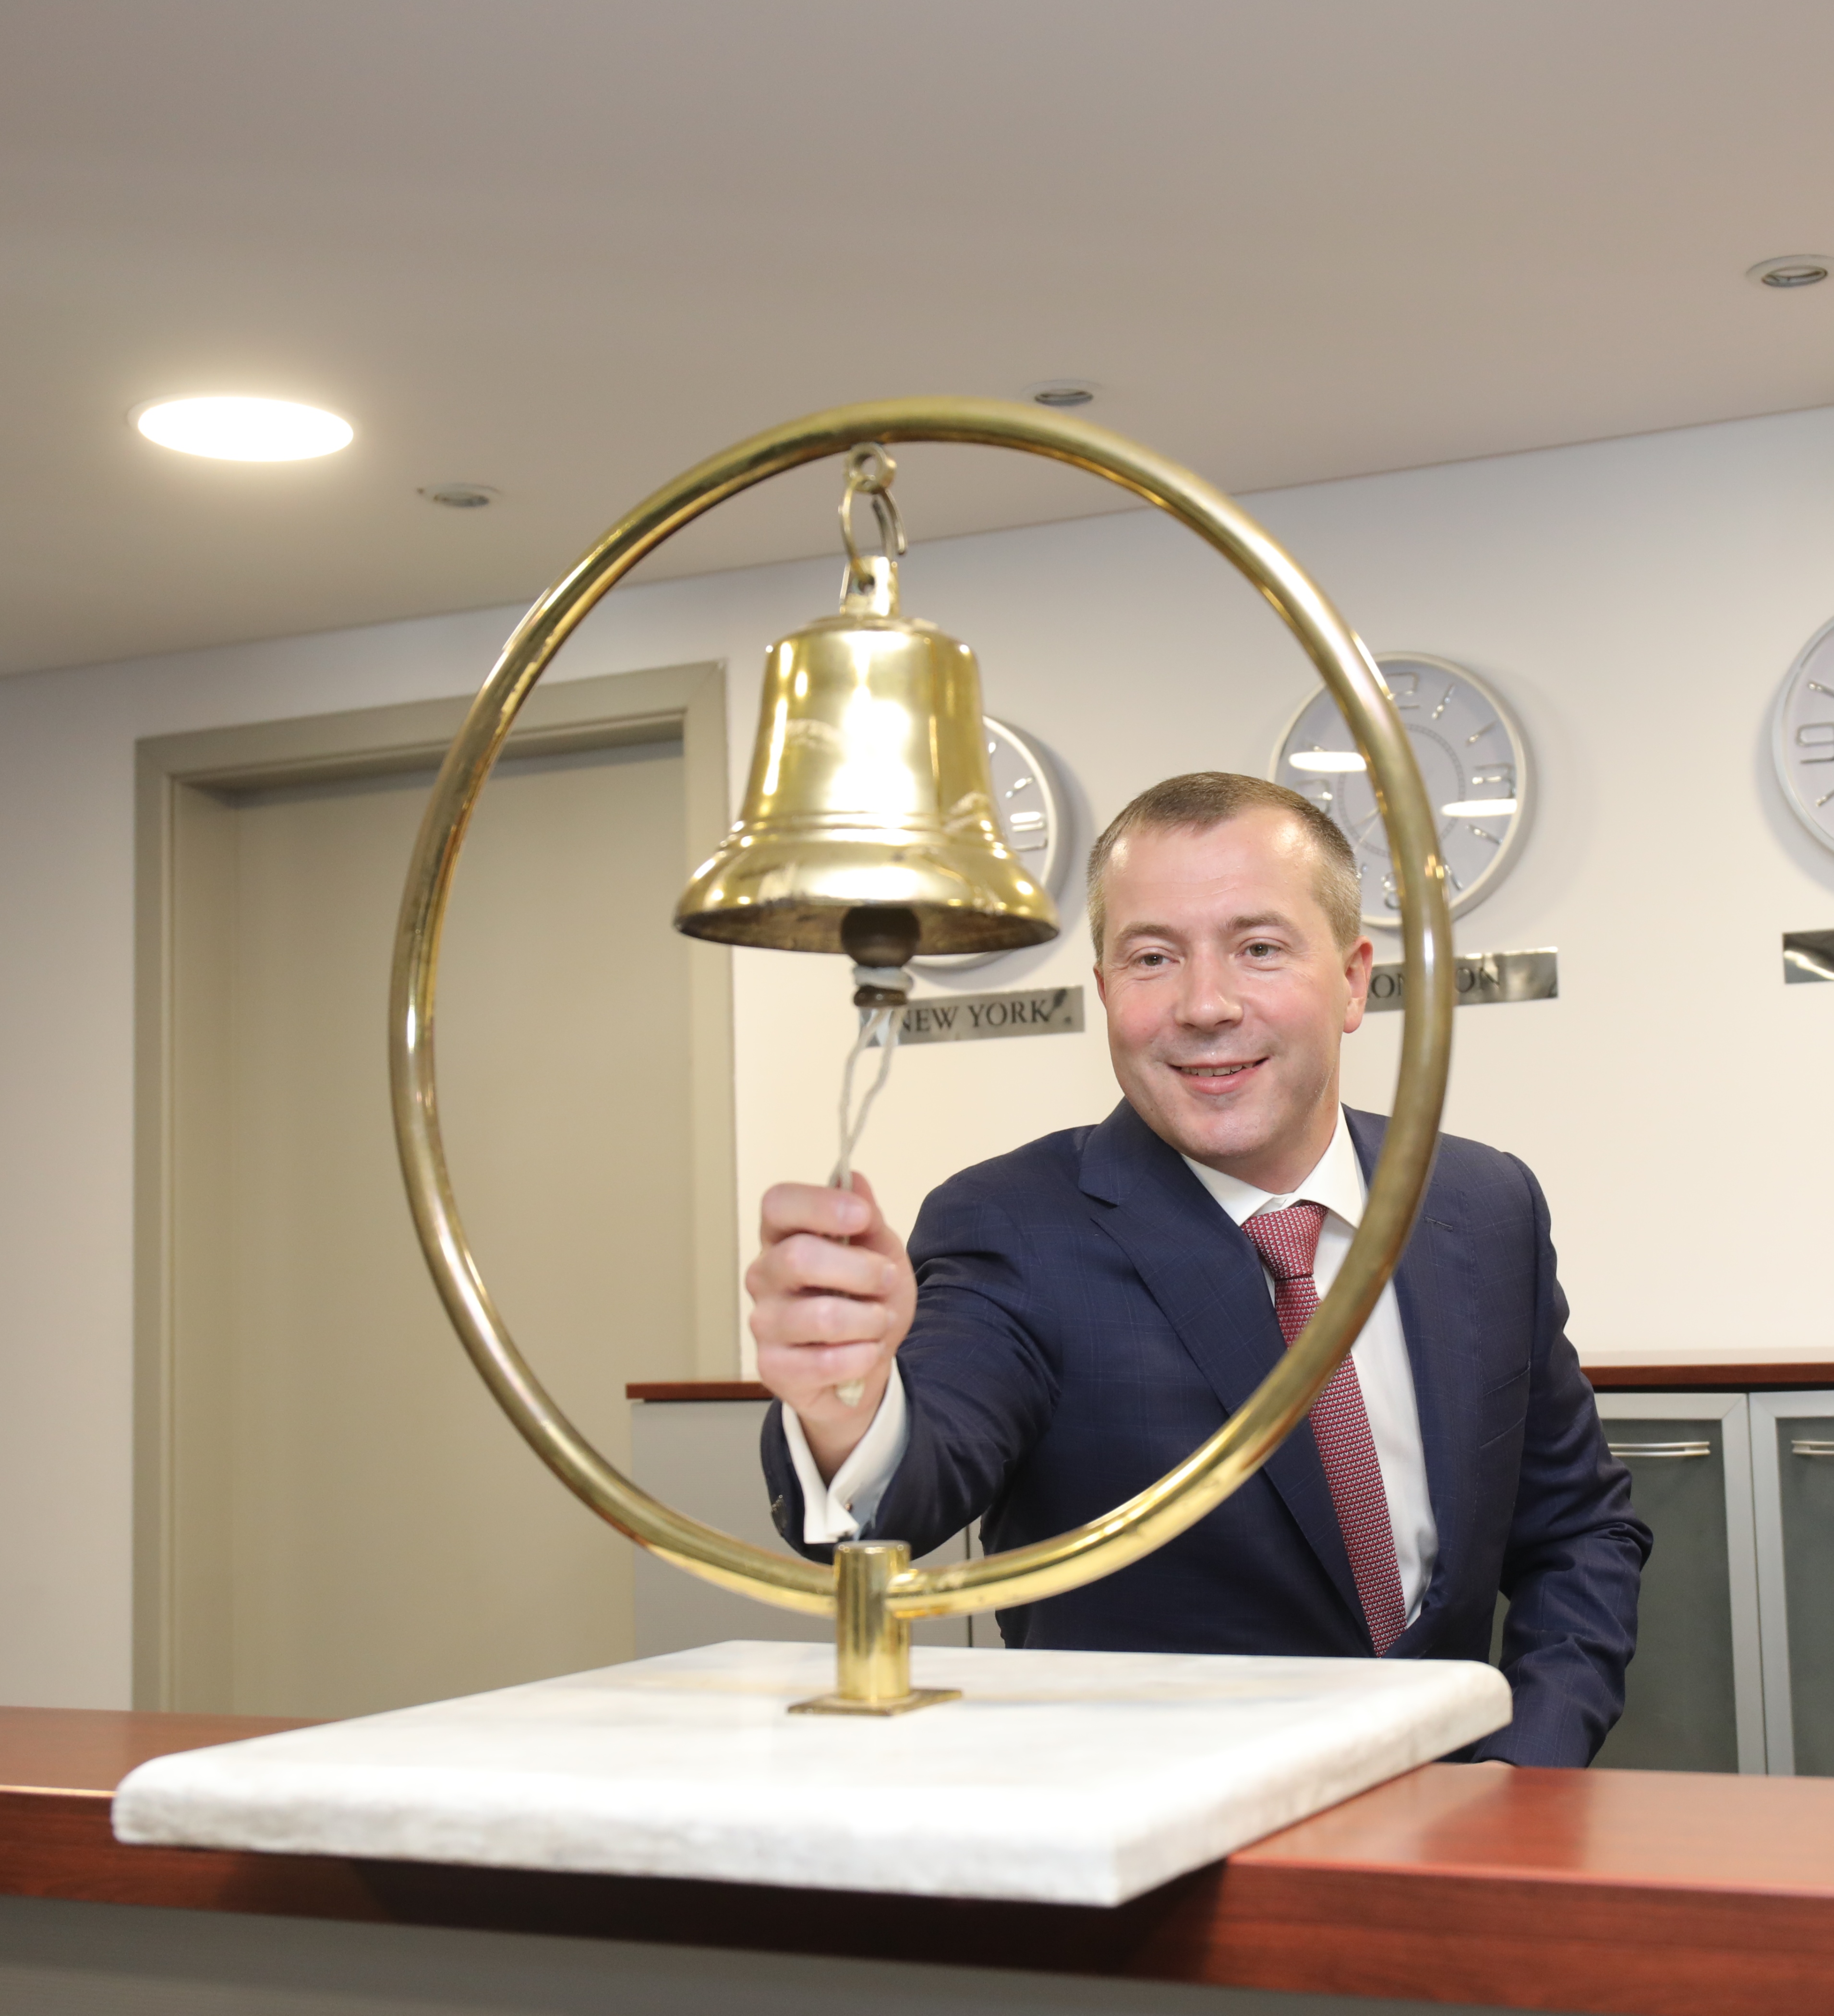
{"x": 1650, "y": 1893}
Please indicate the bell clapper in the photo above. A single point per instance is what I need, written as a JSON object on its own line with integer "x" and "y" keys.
{"x": 879, "y": 939}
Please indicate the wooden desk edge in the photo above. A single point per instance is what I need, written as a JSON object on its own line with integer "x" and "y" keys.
{"x": 1288, "y": 1913}
{"x": 1525, "y": 1943}
{"x": 1754, "y": 1378}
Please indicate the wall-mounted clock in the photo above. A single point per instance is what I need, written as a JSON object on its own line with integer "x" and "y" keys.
{"x": 1802, "y": 735}
{"x": 1029, "y": 800}
{"x": 1471, "y": 754}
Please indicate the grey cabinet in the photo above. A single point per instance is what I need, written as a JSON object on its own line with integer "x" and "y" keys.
{"x": 1738, "y": 1490}
{"x": 1792, "y": 1462}
{"x": 1695, "y": 1698}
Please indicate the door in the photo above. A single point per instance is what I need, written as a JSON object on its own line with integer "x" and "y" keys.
{"x": 355, "y": 1524}
{"x": 1693, "y": 1697}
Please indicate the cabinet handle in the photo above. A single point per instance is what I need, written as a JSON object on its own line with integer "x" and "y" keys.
{"x": 1633, "y": 1450}
{"x": 1811, "y": 1449}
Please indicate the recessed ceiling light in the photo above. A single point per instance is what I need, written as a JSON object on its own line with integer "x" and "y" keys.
{"x": 461, "y": 496}
{"x": 1061, "y": 392}
{"x": 242, "y": 429}
{"x": 1800, "y": 269}
{"x": 1342, "y": 761}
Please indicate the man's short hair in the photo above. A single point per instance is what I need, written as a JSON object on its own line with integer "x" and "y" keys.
{"x": 1205, "y": 798}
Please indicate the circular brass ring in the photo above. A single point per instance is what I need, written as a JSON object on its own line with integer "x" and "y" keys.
{"x": 1239, "y": 1448}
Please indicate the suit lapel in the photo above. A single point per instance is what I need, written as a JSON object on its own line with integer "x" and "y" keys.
{"x": 1436, "y": 1290}
{"x": 1199, "y": 1267}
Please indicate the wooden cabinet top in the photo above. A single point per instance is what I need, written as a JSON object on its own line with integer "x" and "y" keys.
{"x": 1729, "y": 1377}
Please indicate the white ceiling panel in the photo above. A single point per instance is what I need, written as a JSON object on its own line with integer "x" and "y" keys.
{"x": 565, "y": 250}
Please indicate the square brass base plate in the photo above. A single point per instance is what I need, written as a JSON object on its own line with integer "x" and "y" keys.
{"x": 900, "y": 1704}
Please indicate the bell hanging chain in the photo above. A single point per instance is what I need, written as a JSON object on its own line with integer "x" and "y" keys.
{"x": 869, "y": 474}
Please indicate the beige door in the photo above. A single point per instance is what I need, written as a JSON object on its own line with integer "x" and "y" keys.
{"x": 358, "y": 1526}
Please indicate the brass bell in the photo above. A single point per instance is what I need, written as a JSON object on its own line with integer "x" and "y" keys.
{"x": 869, "y": 792}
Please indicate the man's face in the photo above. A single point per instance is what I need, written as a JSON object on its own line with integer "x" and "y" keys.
{"x": 1227, "y": 997}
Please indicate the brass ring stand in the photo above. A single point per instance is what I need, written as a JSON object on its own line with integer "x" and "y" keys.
{"x": 872, "y": 1587}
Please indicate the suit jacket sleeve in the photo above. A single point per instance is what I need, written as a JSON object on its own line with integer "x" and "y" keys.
{"x": 1574, "y": 1555}
{"x": 978, "y": 1388}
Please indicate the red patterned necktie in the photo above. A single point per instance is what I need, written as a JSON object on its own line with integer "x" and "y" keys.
{"x": 1288, "y": 1242}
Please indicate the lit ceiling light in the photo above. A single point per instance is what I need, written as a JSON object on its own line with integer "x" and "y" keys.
{"x": 1800, "y": 269}
{"x": 1333, "y": 760}
{"x": 242, "y": 430}
{"x": 1478, "y": 808}
{"x": 1061, "y": 392}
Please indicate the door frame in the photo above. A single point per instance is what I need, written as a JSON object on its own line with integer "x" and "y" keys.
{"x": 185, "y": 785}
{"x": 1773, "y": 1593}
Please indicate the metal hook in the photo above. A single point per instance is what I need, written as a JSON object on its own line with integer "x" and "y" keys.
{"x": 869, "y": 474}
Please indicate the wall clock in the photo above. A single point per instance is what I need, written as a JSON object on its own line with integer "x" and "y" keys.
{"x": 1471, "y": 753}
{"x": 1802, "y": 735}
{"x": 1029, "y": 800}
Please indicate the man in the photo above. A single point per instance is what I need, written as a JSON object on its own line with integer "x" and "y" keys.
{"x": 1084, "y": 1312}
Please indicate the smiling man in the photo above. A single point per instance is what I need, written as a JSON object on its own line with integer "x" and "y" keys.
{"x": 1074, "y": 1318}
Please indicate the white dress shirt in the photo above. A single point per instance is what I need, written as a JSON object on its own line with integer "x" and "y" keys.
{"x": 837, "y": 1510}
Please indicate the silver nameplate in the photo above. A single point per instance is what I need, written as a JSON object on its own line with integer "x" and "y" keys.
{"x": 966, "y": 1018}
{"x": 1808, "y": 956}
{"x": 1481, "y": 978}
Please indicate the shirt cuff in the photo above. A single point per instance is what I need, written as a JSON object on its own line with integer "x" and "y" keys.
{"x": 839, "y": 1509}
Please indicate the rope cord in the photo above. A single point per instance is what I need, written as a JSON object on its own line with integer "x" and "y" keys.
{"x": 881, "y": 1020}
{"x": 853, "y": 1125}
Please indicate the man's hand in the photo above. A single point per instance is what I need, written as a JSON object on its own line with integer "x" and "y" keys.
{"x": 833, "y": 1294}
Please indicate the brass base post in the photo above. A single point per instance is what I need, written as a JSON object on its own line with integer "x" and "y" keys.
{"x": 872, "y": 1645}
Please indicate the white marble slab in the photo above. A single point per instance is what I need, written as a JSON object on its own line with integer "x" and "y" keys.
{"x": 1067, "y": 1777}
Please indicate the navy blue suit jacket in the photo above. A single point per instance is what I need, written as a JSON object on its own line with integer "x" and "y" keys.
{"x": 1086, "y": 1315}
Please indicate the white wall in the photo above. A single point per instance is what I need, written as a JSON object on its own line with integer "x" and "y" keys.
{"x": 1639, "y": 600}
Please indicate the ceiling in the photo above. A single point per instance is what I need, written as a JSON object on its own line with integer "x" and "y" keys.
{"x": 566, "y": 250}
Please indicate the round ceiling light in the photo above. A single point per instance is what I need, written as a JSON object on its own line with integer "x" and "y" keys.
{"x": 1061, "y": 392}
{"x": 242, "y": 429}
{"x": 1800, "y": 269}
{"x": 461, "y": 496}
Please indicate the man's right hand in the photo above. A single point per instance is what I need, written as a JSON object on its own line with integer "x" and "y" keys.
{"x": 832, "y": 1295}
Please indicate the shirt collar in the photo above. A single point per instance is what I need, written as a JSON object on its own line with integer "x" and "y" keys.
{"x": 1336, "y": 1182}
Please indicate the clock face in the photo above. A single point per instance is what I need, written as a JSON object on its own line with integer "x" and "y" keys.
{"x": 1472, "y": 755}
{"x": 1802, "y": 735}
{"x": 1030, "y": 808}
